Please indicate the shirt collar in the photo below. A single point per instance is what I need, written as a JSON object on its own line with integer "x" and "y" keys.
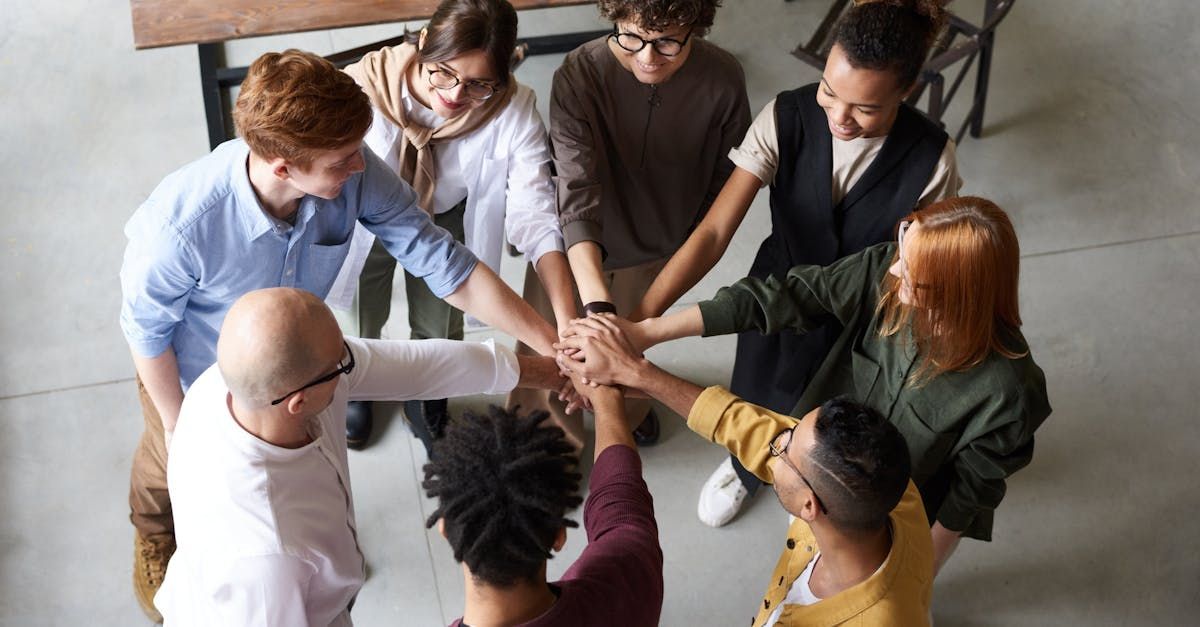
{"x": 257, "y": 448}
{"x": 255, "y": 222}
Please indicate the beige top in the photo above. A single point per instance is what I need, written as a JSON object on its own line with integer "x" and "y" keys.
{"x": 758, "y": 154}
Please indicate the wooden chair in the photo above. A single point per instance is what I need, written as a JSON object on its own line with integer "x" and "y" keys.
{"x": 961, "y": 43}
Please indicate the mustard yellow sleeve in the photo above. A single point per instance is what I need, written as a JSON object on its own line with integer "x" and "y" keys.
{"x": 743, "y": 428}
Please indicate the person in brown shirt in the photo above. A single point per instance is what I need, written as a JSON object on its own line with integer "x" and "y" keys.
{"x": 641, "y": 121}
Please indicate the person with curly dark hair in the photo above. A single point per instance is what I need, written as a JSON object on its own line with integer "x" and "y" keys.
{"x": 882, "y": 158}
{"x": 504, "y": 484}
{"x": 641, "y": 121}
{"x": 858, "y": 550}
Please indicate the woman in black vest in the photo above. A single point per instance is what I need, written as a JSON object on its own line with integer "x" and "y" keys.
{"x": 846, "y": 159}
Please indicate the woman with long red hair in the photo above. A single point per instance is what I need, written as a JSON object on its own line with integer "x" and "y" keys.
{"x": 931, "y": 339}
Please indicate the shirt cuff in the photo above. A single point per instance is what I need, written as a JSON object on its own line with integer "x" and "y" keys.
{"x": 748, "y": 163}
{"x": 958, "y": 515}
{"x": 584, "y": 231}
{"x": 463, "y": 265}
{"x": 718, "y": 316}
{"x": 548, "y": 244}
{"x": 707, "y": 411}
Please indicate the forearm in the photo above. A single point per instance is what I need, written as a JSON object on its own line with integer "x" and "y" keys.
{"x": 704, "y": 247}
{"x": 676, "y": 393}
{"x": 486, "y": 297}
{"x": 160, "y": 377}
{"x": 686, "y": 323}
{"x": 944, "y": 543}
{"x": 538, "y": 372}
{"x": 612, "y": 426}
{"x": 588, "y": 269}
{"x": 555, "y": 275}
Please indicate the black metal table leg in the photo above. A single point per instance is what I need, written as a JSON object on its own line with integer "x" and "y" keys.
{"x": 211, "y": 60}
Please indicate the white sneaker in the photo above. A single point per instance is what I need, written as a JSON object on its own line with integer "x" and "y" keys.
{"x": 721, "y": 497}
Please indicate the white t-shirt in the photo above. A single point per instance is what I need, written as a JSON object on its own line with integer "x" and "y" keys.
{"x": 800, "y": 593}
{"x": 759, "y": 155}
{"x": 266, "y": 535}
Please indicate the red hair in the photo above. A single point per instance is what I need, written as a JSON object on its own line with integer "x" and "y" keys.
{"x": 295, "y": 104}
{"x": 963, "y": 268}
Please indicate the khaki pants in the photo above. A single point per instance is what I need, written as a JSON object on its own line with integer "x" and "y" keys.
{"x": 626, "y": 286}
{"x": 149, "y": 503}
{"x": 428, "y": 315}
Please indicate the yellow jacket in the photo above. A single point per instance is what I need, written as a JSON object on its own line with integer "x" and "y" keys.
{"x": 897, "y": 594}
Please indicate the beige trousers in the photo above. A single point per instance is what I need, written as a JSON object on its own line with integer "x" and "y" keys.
{"x": 149, "y": 503}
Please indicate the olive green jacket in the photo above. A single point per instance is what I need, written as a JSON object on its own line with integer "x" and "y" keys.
{"x": 978, "y": 422}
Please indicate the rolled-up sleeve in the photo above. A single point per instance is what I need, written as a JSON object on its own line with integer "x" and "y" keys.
{"x": 157, "y": 277}
{"x": 997, "y": 443}
{"x": 743, "y": 428}
{"x": 388, "y": 208}
{"x": 576, "y": 160}
{"x": 532, "y": 218}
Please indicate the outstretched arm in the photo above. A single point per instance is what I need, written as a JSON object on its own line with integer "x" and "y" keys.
{"x": 486, "y": 297}
{"x": 703, "y": 248}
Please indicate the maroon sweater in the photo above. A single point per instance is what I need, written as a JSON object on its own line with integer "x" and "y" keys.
{"x": 618, "y": 578}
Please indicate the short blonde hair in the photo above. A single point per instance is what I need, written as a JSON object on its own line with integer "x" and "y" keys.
{"x": 295, "y": 104}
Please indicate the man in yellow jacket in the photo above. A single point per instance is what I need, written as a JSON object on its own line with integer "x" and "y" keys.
{"x": 859, "y": 550}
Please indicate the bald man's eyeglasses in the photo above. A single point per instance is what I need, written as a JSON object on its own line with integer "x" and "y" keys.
{"x": 341, "y": 369}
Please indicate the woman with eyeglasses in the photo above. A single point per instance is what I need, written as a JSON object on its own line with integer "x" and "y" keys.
{"x": 845, "y": 158}
{"x": 929, "y": 336}
{"x": 641, "y": 121}
{"x": 454, "y": 123}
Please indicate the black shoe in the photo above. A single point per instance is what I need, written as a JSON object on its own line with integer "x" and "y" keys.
{"x": 646, "y": 434}
{"x": 358, "y": 424}
{"x": 428, "y": 420}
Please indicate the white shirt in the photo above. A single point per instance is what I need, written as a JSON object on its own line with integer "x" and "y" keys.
{"x": 265, "y": 534}
{"x": 504, "y": 168}
{"x": 759, "y": 155}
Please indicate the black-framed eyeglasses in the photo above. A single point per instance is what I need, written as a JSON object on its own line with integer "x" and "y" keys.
{"x": 665, "y": 46}
{"x": 779, "y": 447}
{"x": 341, "y": 369}
{"x": 443, "y": 79}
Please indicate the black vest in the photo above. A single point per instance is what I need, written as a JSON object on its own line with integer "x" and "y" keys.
{"x": 806, "y": 228}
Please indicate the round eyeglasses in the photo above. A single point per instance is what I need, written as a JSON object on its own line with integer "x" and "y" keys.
{"x": 443, "y": 79}
{"x": 665, "y": 46}
{"x": 779, "y": 447}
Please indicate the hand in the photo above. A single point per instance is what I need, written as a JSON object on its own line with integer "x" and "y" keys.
{"x": 636, "y": 334}
{"x": 605, "y": 354}
{"x": 597, "y": 396}
{"x": 570, "y": 394}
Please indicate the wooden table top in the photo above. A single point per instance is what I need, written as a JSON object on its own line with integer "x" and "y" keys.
{"x": 175, "y": 22}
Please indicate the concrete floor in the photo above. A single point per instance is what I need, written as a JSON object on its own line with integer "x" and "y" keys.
{"x": 1091, "y": 144}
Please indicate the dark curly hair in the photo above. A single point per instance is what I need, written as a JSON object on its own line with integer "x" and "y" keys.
{"x": 504, "y": 484}
{"x": 862, "y": 464}
{"x": 892, "y": 35}
{"x": 660, "y": 15}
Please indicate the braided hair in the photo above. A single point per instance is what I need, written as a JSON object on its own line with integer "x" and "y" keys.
{"x": 503, "y": 484}
{"x": 893, "y": 35}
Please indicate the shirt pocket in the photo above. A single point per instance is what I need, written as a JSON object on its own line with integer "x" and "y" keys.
{"x": 320, "y": 266}
{"x": 866, "y": 376}
{"x": 929, "y": 445}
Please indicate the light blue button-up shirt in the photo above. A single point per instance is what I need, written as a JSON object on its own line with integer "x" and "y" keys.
{"x": 201, "y": 240}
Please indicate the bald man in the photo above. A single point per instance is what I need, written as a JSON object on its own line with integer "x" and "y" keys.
{"x": 264, "y": 514}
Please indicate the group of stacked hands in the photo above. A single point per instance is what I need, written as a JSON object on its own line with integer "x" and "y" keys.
{"x": 881, "y": 383}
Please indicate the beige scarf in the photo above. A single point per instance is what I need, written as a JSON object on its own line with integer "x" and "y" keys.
{"x": 382, "y": 74}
